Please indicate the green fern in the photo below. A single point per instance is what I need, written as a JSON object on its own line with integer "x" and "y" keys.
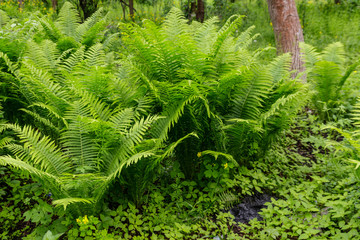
{"x": 228, "y": 199}
{"x": 328, "y": 74}
{"x": 4, "y": 18}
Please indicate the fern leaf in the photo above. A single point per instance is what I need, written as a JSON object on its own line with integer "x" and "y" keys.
{"x": 95, "y": 56}
{"x": 4, "y": 18}
{"x": 16, "y": 163}
{"x": 44, "y": 152}
{"x": 122, "y": 120}
{"x": 228, "y": 28}
{"x": 83, "y": 28}
{"x": 172, "y": 114}
{"x": 78, "y": 143}
{"x": 334, "y": 53}
{"x": 50, "y": 29}
{"x": 279, "y": 67}
{"x": 41, "y": 119}
{"x": 216, "y": 154}
{"x": 309, "y": 54}
{"x": 74, "y": 59}
{"x": 228, "y": 199}
{"x": 67, "y": 201}
{"x": 248, "y": 99}
{"x": 68, "y": 19}
{"x": 97, "y": 108}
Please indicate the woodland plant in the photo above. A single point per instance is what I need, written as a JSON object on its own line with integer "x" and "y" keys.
{"x": 328, "y": 74}
{"x": 77, "y": 144}
{"x": 351, "y": 144}
{"x": 207, "y": 81}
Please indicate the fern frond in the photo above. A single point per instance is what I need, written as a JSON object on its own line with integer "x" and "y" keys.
{"x": 13, "y": 68}
{"x": 356, "y": 116}
{"x": 53, "y": 111}
{"x": 205, "y": 34}
{"x": 327, "y": 76}
{"x": 216, "y": 154}
{"x": 43, "y": 151}
{"x": 95, "y": 56}
{"x": 5, "y": 141}
{"x": 228, "y": 199}
{"x": 126, "y": 149}
{"x": 42, "y": 82}
{"x": 284, "y": 103}
{"x": 4, "y": 18}
{"x": 309, "y": 54}
{"x": 97, "y": 108}
{"x": 248, "y": 99}
{"x": 175, "y": 24}
{"x": 246, "y": 38}
{"x": 67, "y": 201}
{"x": 41, "y": 119}
{"x": 78, "y": 143}
{"x": 173, "y": 113}
{"x": 170, "y": 149}
{"x": 334, "y": 53}
{"x": 74, "y": 59}
{"x": 68, "y": 19}
{"x": 122, "y": 120}
{"x": 50, "y": 29}
{"x": 16, "y": 163}
{"x": 279, "y": 67}
{"x": 349, "y": 70}
{"x": 228, "y": 28}
{"x": 83, "y": 28}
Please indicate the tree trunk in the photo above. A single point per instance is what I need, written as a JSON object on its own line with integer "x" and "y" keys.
{"x": 287, "y": 30}
{"x": 88, "y": 7}
{"x": 54, "y": 4}
{"x": 200, "y": 12}
{"x": 337, "y": 2}
{"x": 192, "y": 12}
{"x": 131, "y": 9}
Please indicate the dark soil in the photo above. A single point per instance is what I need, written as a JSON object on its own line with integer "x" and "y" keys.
{"x": 250, "y": 207}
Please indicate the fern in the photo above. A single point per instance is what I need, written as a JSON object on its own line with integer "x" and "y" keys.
{"x": 328, "y": 75}
{"x": 68, "y": 19}
{"x": 352, "y": 140}
{"x": 248, "y": 99}
{"x": 4, "y": 18}
{"x": 228, "y": 199}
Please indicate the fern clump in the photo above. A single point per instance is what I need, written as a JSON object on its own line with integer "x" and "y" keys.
{"x": 351, "y": 145}
{"x": 327, "y": 75}
{"x": 206, "y": 80}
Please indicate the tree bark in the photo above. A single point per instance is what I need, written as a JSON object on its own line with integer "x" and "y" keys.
{"x": 54, "y": 4}
{"x": 200, "y": 12}
{"x": 88, "y": 7}
{"x": 131, "y": 9}
{"x": 287, "y": 30}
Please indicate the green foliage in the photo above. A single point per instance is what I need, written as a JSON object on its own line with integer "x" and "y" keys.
{"x": 156, "y": 130}
{"x": 351, "y": 145}
{"x": 206, "y": 81}
{"x": 328, "y": 75}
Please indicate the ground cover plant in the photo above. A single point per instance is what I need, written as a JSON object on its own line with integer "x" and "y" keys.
{"x": 165, "y": 128}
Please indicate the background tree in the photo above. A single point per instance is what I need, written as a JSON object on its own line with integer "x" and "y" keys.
{"x": 287, "y": 30}
{"x": 88, "y": 7}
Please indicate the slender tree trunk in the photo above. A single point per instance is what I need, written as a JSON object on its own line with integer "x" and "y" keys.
{"x": 192, "y": 12}
{"x": 131, "y": 9}
{"x": 200, "y": 12}
{"x": 337, "y": 1}
{"x": 287, "y": 30}
{"x": 54, "y": 4}
{"x": 21, "y": 3}
{"x": 88, "y": 7}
